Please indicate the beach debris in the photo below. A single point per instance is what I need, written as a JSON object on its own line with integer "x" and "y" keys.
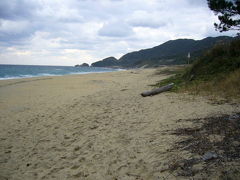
{"x": 66, "y": 137}
{"x": 234, "y": 117}
{"x": 93, "y": 127}
{"x": 213, "y": 141}
{"x": 134, "y": 72}
{"x": 209, "y": 156}
{"x": 124, "y": 89}
{"x": 9, "y": 151}
{"x": 76, "y": 148}
{"x": 158, "y": 90}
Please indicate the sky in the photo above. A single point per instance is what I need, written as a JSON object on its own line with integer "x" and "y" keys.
{"x": 69, "y": 32}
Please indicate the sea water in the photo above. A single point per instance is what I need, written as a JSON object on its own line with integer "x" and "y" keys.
{"x": 27, "y": 71}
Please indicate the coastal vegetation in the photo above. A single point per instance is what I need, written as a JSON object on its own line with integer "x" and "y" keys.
{"x": 215, "y": 74}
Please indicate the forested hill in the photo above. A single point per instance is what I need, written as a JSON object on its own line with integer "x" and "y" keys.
{"x": 170, "y": 52}
{"x": 107, "y": 62}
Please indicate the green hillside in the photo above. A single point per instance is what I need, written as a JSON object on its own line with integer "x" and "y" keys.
{"x": 168, "y": 53}
{"x": 216, "y": 72}
{"x": 171, "y": 52}
{"x": 107, "y": 62}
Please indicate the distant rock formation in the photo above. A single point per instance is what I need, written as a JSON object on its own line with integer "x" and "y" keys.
{"x": 82, "y": 65}
{"x": 107, "y": 62}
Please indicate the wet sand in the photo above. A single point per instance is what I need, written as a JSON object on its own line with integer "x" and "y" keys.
{"x": 93, "y": 126}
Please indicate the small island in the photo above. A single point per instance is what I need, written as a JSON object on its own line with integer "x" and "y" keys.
{"x": 82, "y": 65}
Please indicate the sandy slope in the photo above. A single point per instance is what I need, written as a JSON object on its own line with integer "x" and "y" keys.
{"x": 94, "y": 126}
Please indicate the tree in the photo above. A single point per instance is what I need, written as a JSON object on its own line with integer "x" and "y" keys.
{"x": 228, "y": 12}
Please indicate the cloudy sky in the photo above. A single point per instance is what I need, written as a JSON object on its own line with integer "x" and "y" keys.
{"x": 69, "y": 32}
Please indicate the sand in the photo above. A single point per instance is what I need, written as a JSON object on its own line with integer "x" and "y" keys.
{"x": 93, "y": 126}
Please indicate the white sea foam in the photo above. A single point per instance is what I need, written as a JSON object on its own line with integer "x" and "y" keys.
{"x": 27, "y": 76}
{"x": 48, "y": 74}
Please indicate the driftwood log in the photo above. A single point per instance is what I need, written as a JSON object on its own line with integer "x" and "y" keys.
{"x": 158, "y": 90}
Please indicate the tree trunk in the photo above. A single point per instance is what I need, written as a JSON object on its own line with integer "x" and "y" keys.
{"x": 158, "y": 90}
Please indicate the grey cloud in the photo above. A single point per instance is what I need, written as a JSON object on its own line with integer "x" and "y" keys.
{"x": 17, "y": 20}
{"x": 71, "y": 19}
{"x": 9, "y": 40}
{"x": 145, "y": 19}
{"x": 197, "y": 2}
{"x": 17, "y": 9}
{"x": 115, "y": 29}
{"x": 119, "y": 25}
{"x": 147, "y": 23}
{"x": 16, "y": 32}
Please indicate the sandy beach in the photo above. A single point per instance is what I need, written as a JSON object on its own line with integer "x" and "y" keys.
{"x": 92, "y": 126}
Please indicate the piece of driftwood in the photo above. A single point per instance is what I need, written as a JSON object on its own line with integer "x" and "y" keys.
{"x": 158, "y": 90}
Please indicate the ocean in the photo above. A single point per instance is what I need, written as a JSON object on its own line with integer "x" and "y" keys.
{"x": 27, "y": 71}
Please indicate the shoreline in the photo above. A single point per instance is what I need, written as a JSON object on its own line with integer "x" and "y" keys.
{"x": 93, "y": 126}
{"x": 39, "y": 78}
{"x": 52, "y": 74}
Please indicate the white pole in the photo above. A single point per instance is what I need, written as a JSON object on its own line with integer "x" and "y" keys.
{"x": 189, "y": 56}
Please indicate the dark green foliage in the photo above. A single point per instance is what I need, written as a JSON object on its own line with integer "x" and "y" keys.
{"x": 107, "y": 62}
{"x": 221, "y": 59}
{"x": 228, "y": 12}
{"x": 215, "y": 66}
